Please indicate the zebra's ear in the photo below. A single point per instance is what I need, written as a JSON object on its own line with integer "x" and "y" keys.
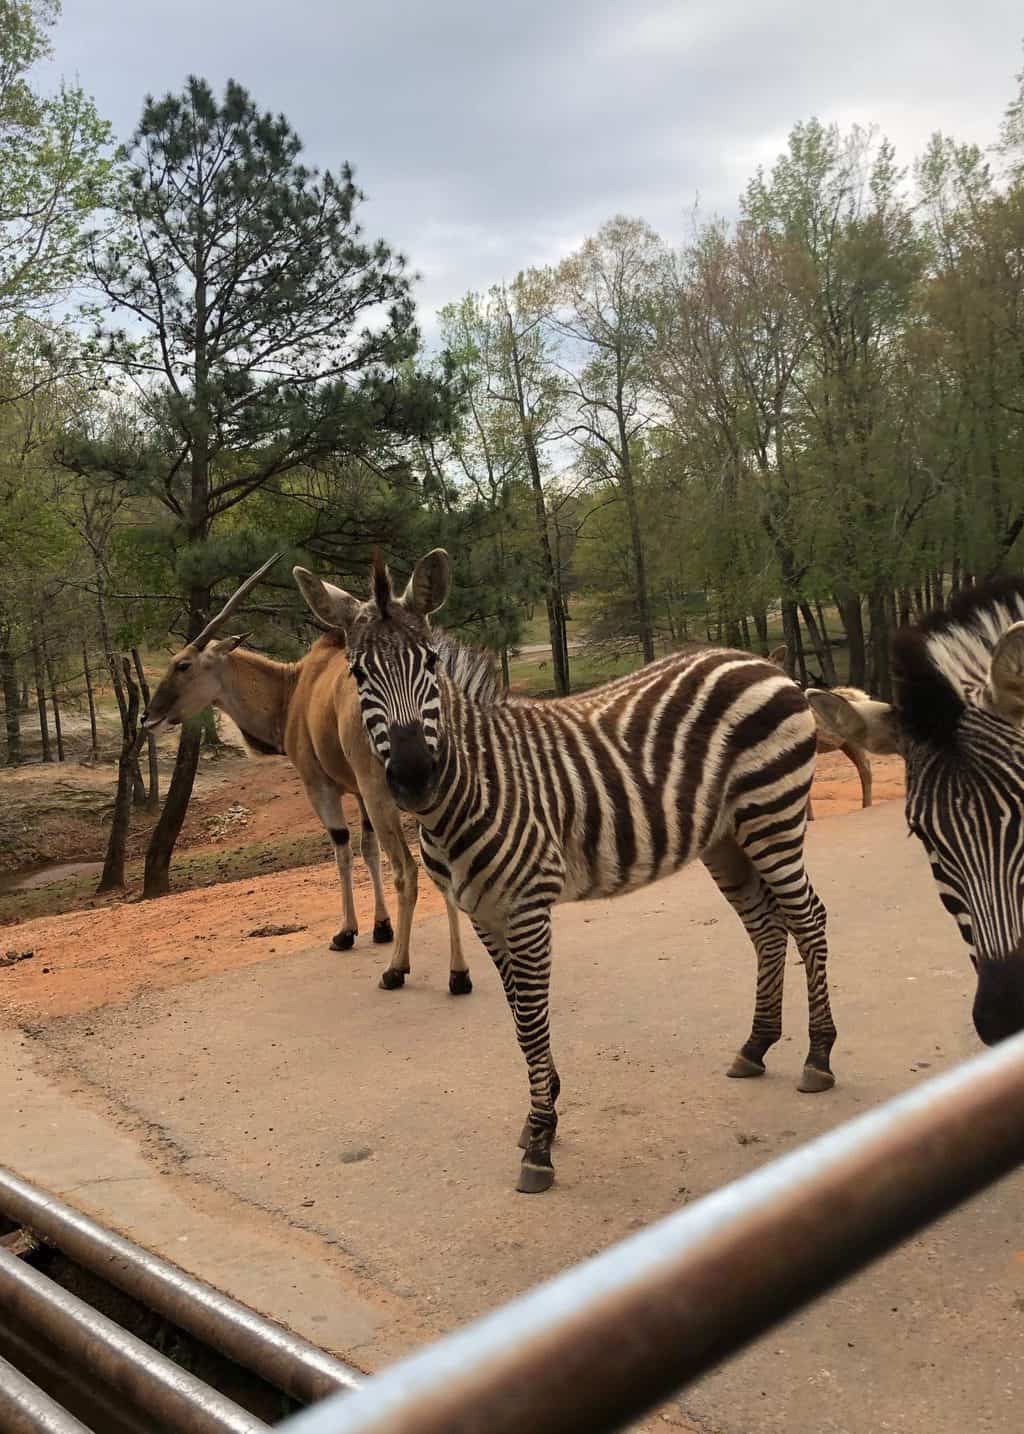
{"x": 427, "y": 589}
{"x": 871, "y": 725}
{"x": 1005, "y": 689}
{"x": 331, "y": 605}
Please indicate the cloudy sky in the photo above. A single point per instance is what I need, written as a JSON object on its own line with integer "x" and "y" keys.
{"x": 489, "y": 138}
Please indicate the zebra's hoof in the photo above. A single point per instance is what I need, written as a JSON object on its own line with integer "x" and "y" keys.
{"x": 344, "y": 941}
{"x": 382, "y": 932}
{"x": 742, "y": 1069}
{"x": 459, "y": 983}
{"x": 813, "y": 1080}
{"x": 525, "y": 1135}
{"x": 534, "y": 1179}
{"x": 391, "y": 980}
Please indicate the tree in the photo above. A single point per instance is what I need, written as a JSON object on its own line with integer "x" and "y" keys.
{"x": 263, "y": 333}
{"x": 53, "y": 171}
{"x": 609, "y": 291}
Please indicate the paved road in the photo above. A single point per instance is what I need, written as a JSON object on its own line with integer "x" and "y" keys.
{"x": 380, "y": 1128}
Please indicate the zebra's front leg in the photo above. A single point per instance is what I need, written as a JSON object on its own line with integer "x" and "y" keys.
{"x": 459, "y": 980}
{"x": 529, "y": 949}
{"x": 503, "y": 965}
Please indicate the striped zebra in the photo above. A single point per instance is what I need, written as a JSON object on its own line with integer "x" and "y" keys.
{"x": 526, "y": 803}
{"x": 957, "y": 722}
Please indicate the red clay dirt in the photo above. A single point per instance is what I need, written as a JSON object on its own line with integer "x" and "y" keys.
{"x": 86, "y": 959}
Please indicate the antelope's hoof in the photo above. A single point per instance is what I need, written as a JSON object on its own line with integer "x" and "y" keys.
{"x": 535, "y": 1179}
{"x": 382, "y": 932}
{"x": 344, "y": 941}
{"x": 742, "y": 1069}
{"x": 391, "y": 980}
{"x": 459, "y": 983}
{"x": 813, "y": 1080}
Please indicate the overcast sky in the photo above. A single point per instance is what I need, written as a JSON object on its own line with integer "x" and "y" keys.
{"x": 489, "y": 138}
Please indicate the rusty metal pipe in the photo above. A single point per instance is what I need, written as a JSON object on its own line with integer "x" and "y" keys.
{"x": 282, "y": 1358}
{"x": 604, "y": 1342}
{"x": 146, "y": 1379}
{"x": 25, "y": 1409}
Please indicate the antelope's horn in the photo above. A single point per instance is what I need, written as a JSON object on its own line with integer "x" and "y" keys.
{"x": 233, "y": 601}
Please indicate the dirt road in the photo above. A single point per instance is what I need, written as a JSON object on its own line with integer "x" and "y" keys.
{"x": 370, "y": 1136}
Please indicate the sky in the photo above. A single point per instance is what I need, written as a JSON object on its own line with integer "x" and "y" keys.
{"x": 491, "y": 138}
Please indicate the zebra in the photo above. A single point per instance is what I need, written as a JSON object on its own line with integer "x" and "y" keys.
{"x": 957, "y": 722}
{"x": 524, "y": 803}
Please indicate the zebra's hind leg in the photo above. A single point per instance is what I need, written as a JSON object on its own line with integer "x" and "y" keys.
{"x": 779, "y": 860}
{"x": 740, "y": 884}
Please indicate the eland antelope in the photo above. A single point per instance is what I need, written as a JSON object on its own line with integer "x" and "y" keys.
{"x": 309, "y": 712}
{"x": 829, "y": 742}
{"x": 524, "y": 803}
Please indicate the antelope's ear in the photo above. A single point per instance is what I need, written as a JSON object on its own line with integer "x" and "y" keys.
{"x": 223, "y": 645}
{"x": 331, "y": 605}
{"x": 1005, "y": 688}
{"x": 778, "y": 655}
{"x": 428, "y": 588}
{"x": 871, "y": 725}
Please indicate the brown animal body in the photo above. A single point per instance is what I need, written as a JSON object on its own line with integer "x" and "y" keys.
{"x": 829, "y": 742}
{"x": 309, "y": 712}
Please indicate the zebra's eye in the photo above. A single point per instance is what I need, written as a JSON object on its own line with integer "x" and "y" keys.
{"x": 357, "y": 672}
{"x": 431, "y": 659}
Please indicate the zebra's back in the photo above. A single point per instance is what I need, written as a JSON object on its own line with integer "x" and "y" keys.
{"x": 605, "y": 792}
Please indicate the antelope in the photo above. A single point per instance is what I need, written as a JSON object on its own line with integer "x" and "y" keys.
{"x": 308, "y": 711}
{"x": 828, "y": 741}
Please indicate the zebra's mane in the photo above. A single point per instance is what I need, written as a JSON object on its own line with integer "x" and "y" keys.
{"x": 473, "y": 670}
{"x": 941, "y": 663}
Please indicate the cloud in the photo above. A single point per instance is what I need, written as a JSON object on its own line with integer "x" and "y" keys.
{"x": 492, "y": 138}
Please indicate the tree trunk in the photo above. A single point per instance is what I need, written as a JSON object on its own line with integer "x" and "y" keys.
{"x": 12, "y": 718}
{"x": 505, "y": 677}
{"x": 112, "y": 877}
{"x": 761, "y": 625}
{"x": 553, "y": 601}
{"x": 54, "y": 703}
{"x": 172, "y": 818}
{"x": 853, "y": 625}
{"x": 904, "y": 608}
{"x": 745, "y": 634}
{"x": 25, "y": 702}
{"x": 154, "y": 765}
{"x": 795, "y": 664}
{"x": 44, "y": 726}
{"x": 211, "y": 733}
{"x": 880, "y": 675}
{"x": 818, "y": 641}
{"x": 643, "y": 597}
{"x": 94, "y": 750}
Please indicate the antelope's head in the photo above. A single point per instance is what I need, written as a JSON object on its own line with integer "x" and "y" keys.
{"x": 394, "y": 663}
{"x": 195, "y": 675}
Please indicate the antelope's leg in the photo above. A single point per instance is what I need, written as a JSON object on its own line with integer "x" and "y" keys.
{"x": 387, "y": 823}
{"x": 382, "y": 932}
{"x": 326, "y": 802}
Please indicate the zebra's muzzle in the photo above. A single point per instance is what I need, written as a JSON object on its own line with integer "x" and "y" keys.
{"x": 411, "y": 770}
{"x": 999, "y": 999}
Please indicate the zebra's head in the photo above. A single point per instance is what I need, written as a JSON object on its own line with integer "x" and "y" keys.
{"x": 393, "y": 660}
{"x": 957, "y": 722}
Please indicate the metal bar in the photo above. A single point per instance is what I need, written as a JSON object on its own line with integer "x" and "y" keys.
{"x": 604, "y": 1342}
{"x": 139, "y": 1374}
{"x": 25, "y": 1409}
{"x": 284, "y": 1359}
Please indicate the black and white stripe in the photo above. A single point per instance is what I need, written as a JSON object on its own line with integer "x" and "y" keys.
{"x": 957, "y": 721}
{"x": 524, "y": 804}
{"x": 708, "y": 754}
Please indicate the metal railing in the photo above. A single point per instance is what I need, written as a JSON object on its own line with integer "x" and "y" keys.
{"x": 593, "y": 1349}
{"x": 119, "y": 1376}
{"x": 608, "y": 1340}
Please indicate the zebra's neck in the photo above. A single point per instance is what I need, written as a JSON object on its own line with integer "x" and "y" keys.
{"x": 459, "y": 789}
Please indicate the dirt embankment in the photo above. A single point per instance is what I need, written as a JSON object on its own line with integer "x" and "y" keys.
{"x": 84, "y": 959}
